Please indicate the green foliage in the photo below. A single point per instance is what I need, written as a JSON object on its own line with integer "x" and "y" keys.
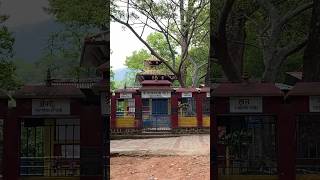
{"x": 135, "y": 61}
{"x": 81, "y": 12}
{"x": 6, "y": 43}
{"x": 158, "y": 42}
{"x": 8, "y": 78}
{"x": 112, "y": 81}
{"x": 253, "y": 61}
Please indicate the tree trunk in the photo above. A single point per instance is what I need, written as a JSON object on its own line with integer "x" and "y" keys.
{"x": 236, "y": 38}
{"x": 270, "y": 73}
{"x": 210, "y": 73}
{"x": 272, "y": 62}
{"x": 224, "y": 59}
{"x": 219, "y": 42}
{"x": 181, "y": 80}
{"x": 311, "y": 59}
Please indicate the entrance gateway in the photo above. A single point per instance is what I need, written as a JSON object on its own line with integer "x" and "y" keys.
{"x": 244, "y": 140}
{"x": 304, "y": 101}
{"x": 156, "y": 110}
{"x": 51, "y": 132}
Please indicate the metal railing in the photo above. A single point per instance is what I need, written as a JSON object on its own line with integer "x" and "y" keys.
{"x": 49, "y": 166}
{"x": 156, "y": 122}
{"x": 308, "y": 166}
{"x": 248, "y": 167}
{"x": 125, "y": 114}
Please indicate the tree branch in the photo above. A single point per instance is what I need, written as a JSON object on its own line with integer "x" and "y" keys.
{"x": 291, "y": 14}
{"x": 153, "y": 52}
{"x": 292, "y": 48}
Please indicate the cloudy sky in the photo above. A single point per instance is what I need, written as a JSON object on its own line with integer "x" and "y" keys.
{"x": 24, "y": 12}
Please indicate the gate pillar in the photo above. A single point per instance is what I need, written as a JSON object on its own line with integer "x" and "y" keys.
{"x": 138, "y": 111}
{"x": 199, "y": 110}
{"x": 11, "y": 160}
{"x": 174, "y": 110}
{"x": 91, "y": 138}
{"x": 113, "y": 111}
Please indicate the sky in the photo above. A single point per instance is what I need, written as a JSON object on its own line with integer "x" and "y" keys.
{"x": 123, "y": 43}
{"x": 24, "y": 12}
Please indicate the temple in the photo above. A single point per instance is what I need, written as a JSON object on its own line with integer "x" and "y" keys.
{"x": 156, "y": 105}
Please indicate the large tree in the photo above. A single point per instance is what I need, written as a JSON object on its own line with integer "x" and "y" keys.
{"x": 228, "y": 35}
{"x": 177, "y": 20}
{"x": 274, "y": 48}
{"x": 276, "y": 31}
{"x": 311, "y": 59}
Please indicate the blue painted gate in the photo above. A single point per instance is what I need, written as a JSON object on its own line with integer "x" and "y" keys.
{"x": 158, "y": 118}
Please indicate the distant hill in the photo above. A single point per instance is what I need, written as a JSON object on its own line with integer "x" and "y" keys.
{"x": 120, "y": 74}
{"x": 30, "y": 40}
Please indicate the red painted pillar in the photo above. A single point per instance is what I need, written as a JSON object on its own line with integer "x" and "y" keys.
{"x": 138, "y": 110}
{"x": 113, "y": 112}
{"x": 213, "y": 141}
{"x": 199, "y": 109}
{"x": 286, "y": 128}
{"x": 91, "y": 143}
{"x": 11, "y": 157}
{"x": 174, "y": 110}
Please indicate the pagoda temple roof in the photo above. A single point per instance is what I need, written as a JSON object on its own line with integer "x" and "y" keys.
{"x": 156, "y": 82}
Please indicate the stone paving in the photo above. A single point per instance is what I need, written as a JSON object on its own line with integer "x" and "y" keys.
{"x": 183, "y": 145}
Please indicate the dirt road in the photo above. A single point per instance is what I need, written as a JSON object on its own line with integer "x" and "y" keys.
{"x": 160, "y": 168}
{"x": 179, "y": 158}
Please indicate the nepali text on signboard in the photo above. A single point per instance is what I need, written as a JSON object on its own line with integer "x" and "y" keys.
{"x": 314, "y": 103}
{"x": 50, "y": 107}
{"x": 245, "y": 104}
{"x": 125, "y": 95}
{"x": 156, "y": 94}
{"x": 187, "y": 94}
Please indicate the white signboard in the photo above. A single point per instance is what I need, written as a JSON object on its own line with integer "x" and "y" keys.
{"x": 104, "y": 105}
{"x": 314, "y": 103}
{"x": 208, "y": 94}
{"x": 246, "y": 104}
{"x": 155, "y": 94}
{"x": 187, "y": 94}
{"x": 125, "y": 95}
{"x": 50, "y": 107}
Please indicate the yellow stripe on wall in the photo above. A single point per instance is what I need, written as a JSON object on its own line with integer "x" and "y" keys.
{"x": 125, "y": 122}
{"x": 308, "y": 177}
{"x": 206, "y": 121}
{"x": 248, "y": 177}
{"x": 49, "y": 178}
{"x": 187, "y": 121}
